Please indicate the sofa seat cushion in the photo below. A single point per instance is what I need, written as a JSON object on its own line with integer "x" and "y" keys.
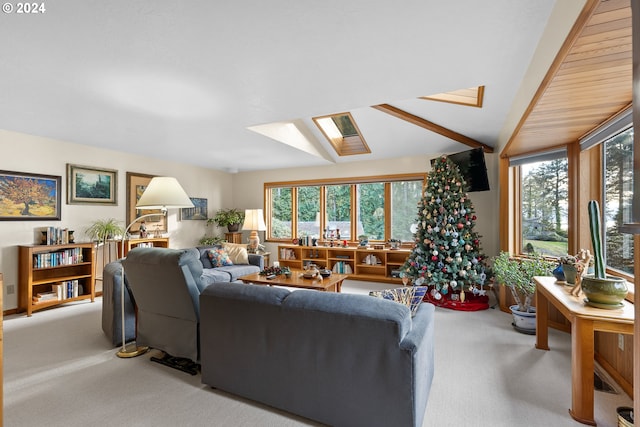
{"x": 214, "y": 275}
{"x": 238, "y": 270}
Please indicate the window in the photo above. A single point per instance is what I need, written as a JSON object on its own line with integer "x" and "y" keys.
{"x": 405, "y": 196}
{"x": 339, "y": 211}
{"x": 308, "y": 211}
{"x": 371, "y": 210}
{"x": 618, "y": 196}
{"x": 544, "y": 213}
{"x": 380, "y": 208}
{"x": 280, "y": 225}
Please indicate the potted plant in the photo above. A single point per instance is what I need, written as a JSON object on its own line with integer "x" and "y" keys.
{"x": 601, "y": 290}
{"x": 517, "y": 275}
{"x": 230, "y": 218}
{"x": 104, "y": 229}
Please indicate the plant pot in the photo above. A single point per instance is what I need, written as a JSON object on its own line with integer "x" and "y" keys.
{"x": 233, "y": 228}
{"x": 524, "y": 321}
{"x": 570, "y": 273}
{"x": 625, "y": 416}
{"x": 604, "y": 293}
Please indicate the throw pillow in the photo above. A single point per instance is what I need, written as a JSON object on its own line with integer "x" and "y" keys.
{"x": 410, "y": 296}
{"x": 237, "y": 253}
{"x": 219, "y": 257}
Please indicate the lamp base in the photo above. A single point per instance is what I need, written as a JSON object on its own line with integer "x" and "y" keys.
{"x": 131, "y": 350}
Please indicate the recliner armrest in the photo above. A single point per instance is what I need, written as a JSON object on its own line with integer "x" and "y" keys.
{"x": 257, "y": 260}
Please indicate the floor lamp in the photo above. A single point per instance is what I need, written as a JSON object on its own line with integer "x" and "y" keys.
{"x": 162, "y": 193}
{"x": 254, "y": 221}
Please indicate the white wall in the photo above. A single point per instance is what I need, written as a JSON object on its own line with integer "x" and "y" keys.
{"x": 249, "y": 188}
{"x": 26, "y": 153}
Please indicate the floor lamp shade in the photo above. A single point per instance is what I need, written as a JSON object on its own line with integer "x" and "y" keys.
{"x": 164, "y": 192}
{"x": 254, "y": 221}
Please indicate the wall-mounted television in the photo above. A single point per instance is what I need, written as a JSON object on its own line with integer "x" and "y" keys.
{"x": 472, "y": 167}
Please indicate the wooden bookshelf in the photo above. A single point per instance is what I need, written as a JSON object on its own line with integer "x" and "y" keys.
{"x": 376, "y": 265}
{"x": 42, "y": 269}
{"x": 156, "y": 242}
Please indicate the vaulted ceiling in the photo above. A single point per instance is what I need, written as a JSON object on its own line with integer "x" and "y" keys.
{"x": 235, "y": 85}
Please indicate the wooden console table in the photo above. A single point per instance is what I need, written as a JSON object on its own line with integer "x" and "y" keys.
{"x": 585, "y": 320}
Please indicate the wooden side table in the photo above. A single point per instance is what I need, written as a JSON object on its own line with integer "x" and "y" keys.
{"x": 585, "y": 320}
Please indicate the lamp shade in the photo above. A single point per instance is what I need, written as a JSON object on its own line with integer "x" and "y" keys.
{"x": 164, "y": 192}
{"x": 253, "y": 220}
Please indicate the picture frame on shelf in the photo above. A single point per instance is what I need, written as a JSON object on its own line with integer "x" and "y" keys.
{"x": 197, "y": 212}
{"x": 29, "y": 196}
{"x": 136, "y": 184}
{"x": 91, "y": 186}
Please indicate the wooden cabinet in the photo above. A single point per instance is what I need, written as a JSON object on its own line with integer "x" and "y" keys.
{"x": 50, "y": 275}
{"x": 155, "y": 242}
{"x": 360, "y": 264}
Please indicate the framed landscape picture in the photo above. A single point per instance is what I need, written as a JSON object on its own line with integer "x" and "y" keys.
{"x": 136, "y": 184}
{"x": 29, "y": 196}
{"x": 198, "y": 211}
{"x": 89, "y": 185}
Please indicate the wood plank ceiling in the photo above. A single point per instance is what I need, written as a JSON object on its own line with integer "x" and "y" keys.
{"x": 589, "y": 81}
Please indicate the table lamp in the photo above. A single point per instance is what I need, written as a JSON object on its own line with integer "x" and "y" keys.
{"x": 162, "y": 193}
{"x": 254, "y": 221}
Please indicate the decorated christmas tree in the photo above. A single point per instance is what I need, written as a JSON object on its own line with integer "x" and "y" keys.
{"x": 446, "y": 256}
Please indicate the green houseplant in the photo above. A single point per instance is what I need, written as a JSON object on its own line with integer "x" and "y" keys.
{"x": 517, "y": 274}
{"x": 601, "y": 290}
{"x": 104, "y": 229}
{"x": 230, "y": 218}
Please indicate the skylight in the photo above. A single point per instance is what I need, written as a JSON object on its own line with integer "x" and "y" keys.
{"x": 343, "y": 134}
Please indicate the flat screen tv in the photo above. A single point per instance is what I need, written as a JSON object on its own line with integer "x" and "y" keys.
{"x": 472, "y": 167}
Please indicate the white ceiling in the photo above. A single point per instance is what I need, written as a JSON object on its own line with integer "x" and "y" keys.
{"x": 186, "y": 80}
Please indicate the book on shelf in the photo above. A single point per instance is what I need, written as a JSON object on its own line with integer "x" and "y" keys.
{"x": 56, "y": 236}
{"x": 53, "y": 259}
{"x": 67, "y": 289}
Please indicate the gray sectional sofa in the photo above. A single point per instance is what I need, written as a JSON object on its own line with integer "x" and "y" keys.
{"x": 111, "y": 305}
{"x": 343, "y": 360}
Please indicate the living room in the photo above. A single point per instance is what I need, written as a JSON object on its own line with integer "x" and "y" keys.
{"x": 35, "y": 150}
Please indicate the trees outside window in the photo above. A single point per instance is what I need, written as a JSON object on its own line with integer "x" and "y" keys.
{"x": 405, "y": 196}
{"x": 371, "y": 210}
{"x": 281, "y": 209}
{"x": 618, "y": 197}
{"x": 308, "y": 211}
{"x": 338, "y": 210}
{"x": 544, "y": 207}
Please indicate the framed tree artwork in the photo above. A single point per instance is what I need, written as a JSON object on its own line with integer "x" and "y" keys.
{"x": 89, "y": 185}
{"x": 136, "y": 184}
{"x": 29, "y": 196}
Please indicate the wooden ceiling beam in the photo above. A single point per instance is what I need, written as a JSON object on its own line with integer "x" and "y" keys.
{"x": 433, "y": 127}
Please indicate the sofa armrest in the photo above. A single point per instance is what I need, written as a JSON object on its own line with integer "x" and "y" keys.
{"x": 257, "y": 260}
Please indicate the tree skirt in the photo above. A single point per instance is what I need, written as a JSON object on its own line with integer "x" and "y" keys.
{"x": 452, "y": 301}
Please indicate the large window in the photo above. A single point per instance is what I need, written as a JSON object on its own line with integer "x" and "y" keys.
{"x": 376, "y": 208}
{"x": 618, "y": 197}
{"x": 338, "y": 208}
{"x": 371, "y": 210}
{"x": 280, "y": 225}
{"x": 544, "y": 193}
{"x": 405, "y": 196}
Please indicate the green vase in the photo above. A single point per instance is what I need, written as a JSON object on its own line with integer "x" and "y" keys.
{"x": 569, "y": 273}
{"x": 604, "y": 293}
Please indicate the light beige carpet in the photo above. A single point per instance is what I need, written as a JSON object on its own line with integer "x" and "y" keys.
{"x": 60, "y": 370}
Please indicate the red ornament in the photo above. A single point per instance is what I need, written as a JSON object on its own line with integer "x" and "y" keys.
{"x": 460, "y": 226}
{"x": 474, "y": 218}
{"x": 434, "y": 258}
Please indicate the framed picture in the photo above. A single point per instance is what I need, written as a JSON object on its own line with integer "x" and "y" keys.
{"x": 136, "y": 184}
{"x": 89, "y": 185}
{"x": 198, "y": 211}
{"x": 29, "y": 196}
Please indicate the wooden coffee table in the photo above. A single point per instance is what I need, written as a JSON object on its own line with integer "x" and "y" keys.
{"x": 332, "y": 283}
